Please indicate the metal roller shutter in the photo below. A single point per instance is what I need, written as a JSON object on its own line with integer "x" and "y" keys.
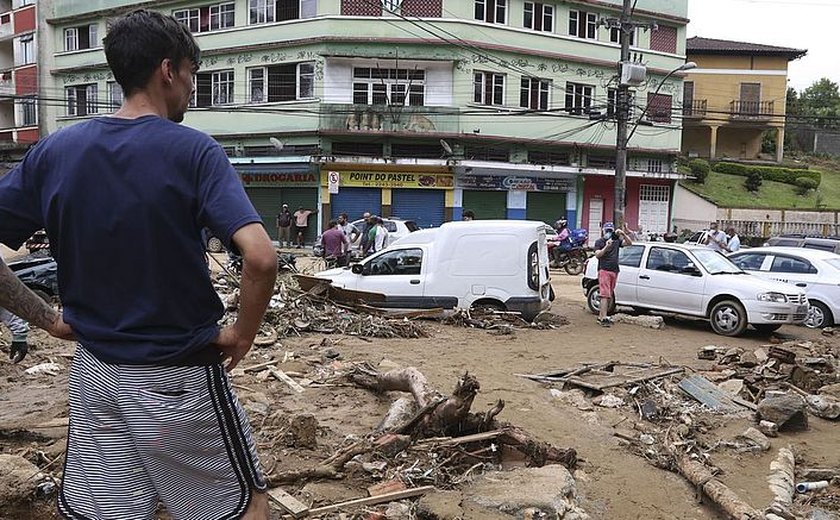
{"x": 486, "y": 204}
{"x": 545, "y": 207}
{"x": 355, "y": 201}
{"x": 425, "y": 207}
{"x": 267, "y": 202}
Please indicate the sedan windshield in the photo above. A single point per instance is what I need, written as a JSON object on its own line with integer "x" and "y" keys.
{"x": 715, "y": 263}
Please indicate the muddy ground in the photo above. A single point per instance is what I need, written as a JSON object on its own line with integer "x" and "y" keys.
{"x": 612, "y": 482}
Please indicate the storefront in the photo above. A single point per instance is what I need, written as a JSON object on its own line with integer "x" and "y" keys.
{"x": 421, "y": 194}
{"x": 516, "y": 193}
{"x": 648, "y": 204}
{"x": 270, "y": 185}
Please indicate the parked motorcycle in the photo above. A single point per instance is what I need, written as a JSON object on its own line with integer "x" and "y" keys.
{"x": 570, "y": 254}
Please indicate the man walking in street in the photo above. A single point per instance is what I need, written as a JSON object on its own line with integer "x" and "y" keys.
{"x": 606, "y": 251}
{"x": 152, "y": 414}
{"x": 301, "y": 224}
{"x": 284, "y": 226}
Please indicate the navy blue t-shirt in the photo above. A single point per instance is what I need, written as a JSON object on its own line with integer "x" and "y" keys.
{"x": 124, "y": 202}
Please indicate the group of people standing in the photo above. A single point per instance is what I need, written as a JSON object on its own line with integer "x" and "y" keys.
{"x": 341, "y": 234}
{"x": 723, "y": 242}
{"x": 285, "y": 220}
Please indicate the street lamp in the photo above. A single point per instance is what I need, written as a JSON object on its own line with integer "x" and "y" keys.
{"x": 685, "y": 66}
{"x": 622, "y": 139}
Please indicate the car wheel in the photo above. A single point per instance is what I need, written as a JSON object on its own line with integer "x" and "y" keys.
{"x": 729, "y": 318}
{"x": 593, "y": 300}
{"x": 767, "y": 329}
{"x": 819, "y": 316}
{"x": 214, "y": 245}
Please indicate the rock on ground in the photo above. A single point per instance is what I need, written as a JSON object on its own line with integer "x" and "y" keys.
{"x": 786, "y": 410}
{"x": 550, "y": 489}
{"x": 17, "y": 479}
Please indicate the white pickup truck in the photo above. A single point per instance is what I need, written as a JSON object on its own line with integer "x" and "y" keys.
{"x": 696, "y": 281}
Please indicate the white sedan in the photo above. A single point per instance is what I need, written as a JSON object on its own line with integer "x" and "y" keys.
{"x": 696, "y": 281}
{"x": 814, "y": 271}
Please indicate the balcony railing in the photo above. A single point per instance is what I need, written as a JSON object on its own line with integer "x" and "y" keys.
{"x": 7, "y": 85}
{"x": 384, "y": 118}
{"x": 695, "y": 108}
{"x": 751, "y": 110}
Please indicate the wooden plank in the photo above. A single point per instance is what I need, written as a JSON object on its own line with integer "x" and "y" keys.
{"x": 288, "y": 503}
{"x": 710, "y": 395}
{"x": 307, "y": 283}
{"x": 655, "y": 374}
{"x": 256, "y": 368}
{"x": 371, "y": 501}
{"x": 454, "y": 441}
{"x": 281, "y": 376}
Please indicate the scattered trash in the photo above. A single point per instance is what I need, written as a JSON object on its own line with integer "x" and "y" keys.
{"x": 650, "y": 322}
{"x": 49, "y": 369}
{"x": 804, "y": 487}
{"x": 609, "y": 401}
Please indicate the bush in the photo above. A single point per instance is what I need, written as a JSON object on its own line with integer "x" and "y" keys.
{"x": 805, "y": 184}
{"x": 700, "y": 170}
{"x": 768, "y": 173}
{"x": 753, "y": 181}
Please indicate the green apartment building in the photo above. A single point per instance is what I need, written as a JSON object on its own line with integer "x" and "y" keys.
{"x": 417, "y": 109}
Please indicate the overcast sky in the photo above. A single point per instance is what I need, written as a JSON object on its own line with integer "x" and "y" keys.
{"x": 802, "y": 24}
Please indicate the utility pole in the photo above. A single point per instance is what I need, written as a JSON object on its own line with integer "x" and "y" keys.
{"x": 622, "y": 112}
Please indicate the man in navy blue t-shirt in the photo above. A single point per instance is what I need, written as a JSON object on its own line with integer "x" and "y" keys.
{"x": 124, "y": 200}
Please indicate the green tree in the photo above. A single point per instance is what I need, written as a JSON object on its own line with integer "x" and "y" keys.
{"x": 820, "y": 104}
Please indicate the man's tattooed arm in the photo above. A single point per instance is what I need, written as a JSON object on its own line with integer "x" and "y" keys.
{"x": 16, "y": 298}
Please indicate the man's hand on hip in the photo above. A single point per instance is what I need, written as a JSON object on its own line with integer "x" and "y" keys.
{"x": 233, "y": 344}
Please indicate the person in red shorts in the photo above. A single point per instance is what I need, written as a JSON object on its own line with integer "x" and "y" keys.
{"x": 606, "y": 251}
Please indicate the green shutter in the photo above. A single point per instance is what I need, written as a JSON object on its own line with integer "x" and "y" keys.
{"x": 486, "y": 204}
{"x": 268, "y": 201}
{"x": 546, "y": 207}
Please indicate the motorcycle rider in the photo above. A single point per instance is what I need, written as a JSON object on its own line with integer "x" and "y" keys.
{"x": 562, "y": 227}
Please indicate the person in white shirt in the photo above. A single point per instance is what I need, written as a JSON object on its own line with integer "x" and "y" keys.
{"x": 715, "y": 238}
{"x": 381, "y": 238}
{"x": 734, "y": 241}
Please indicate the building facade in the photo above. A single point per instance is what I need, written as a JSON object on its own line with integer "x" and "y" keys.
{"x": 736, "y": 94}
{"x": 19, "y": 72}
{"x": 418, "y": 109}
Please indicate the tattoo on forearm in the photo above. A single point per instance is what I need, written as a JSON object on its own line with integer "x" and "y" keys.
{"x": 20, "y": 301}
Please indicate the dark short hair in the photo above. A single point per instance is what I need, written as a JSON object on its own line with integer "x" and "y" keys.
{"x": 344, "y": 215}
{"x": 138, "y": 42}
{"x": 332, "y": 223}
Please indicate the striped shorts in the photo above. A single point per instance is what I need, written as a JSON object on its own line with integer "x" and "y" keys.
{"x": 143, "y": 434}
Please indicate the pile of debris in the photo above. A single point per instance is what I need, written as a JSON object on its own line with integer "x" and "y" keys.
{"x": 675, "y": 415}
{"x": 503, "y": 322}
{"x": 427, "y": 441}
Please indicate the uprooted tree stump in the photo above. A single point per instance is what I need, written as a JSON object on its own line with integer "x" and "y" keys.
{"x": 430, "y": 415}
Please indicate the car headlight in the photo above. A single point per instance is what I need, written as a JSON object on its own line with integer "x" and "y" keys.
{"x": 774, "y": 297}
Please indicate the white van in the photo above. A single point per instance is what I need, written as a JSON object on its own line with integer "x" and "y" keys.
{"x": 498, "y": 264}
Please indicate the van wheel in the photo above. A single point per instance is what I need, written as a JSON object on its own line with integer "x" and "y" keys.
{"x": 819, "y": 316}
{"x": 488, "y": 306}
{"x": 728, "y": 318}
{"x": 214, "y": 245}
{"x": 593, "y": 301}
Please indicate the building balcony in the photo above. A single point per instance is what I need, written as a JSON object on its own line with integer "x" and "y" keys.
{"x": 7, "y": 84}
{"x": 377, "y": 119}
{"x": 695, "y": 109}
{"x": 751, "y": 111}
{"x": 7, "y": 28}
